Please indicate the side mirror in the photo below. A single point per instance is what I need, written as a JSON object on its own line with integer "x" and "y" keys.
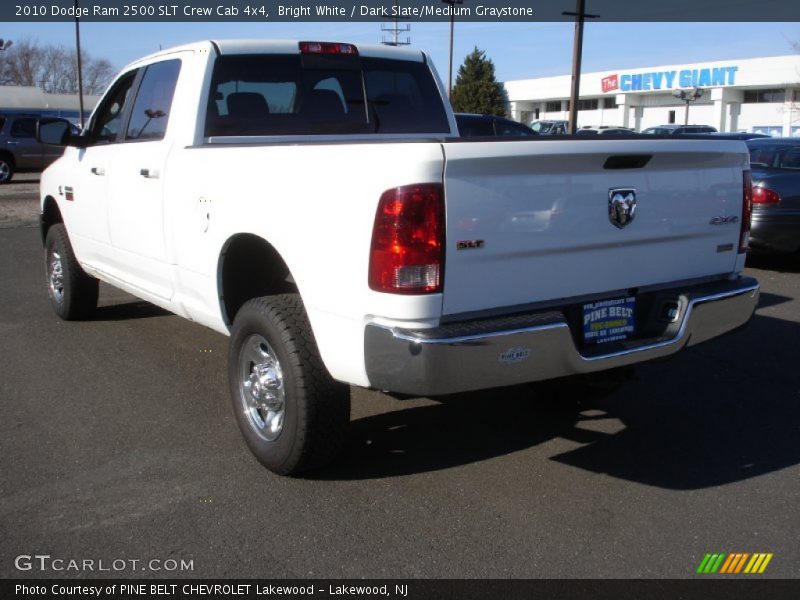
{"x": 56, "y": 132}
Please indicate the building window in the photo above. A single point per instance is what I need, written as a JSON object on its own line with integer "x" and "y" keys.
{"x": 536, "y": 113}
{"x": 671, "y": 117}
{"x": 553, "y": 106}
{"x": 771, "y": 130}
{"x": 610, "y": 102}
{"x": 588, "y": 104}
{"x": 762, "y": 96}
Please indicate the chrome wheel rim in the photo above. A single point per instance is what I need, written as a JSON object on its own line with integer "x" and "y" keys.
{"x": 261, "y": 391}
{"x": 55, "y": 276}
{"x": 5, "y": 170}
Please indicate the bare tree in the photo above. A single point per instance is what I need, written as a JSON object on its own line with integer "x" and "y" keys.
{"x": 52, "y": 68}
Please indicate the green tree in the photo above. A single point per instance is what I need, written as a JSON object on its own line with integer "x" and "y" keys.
{"x": 476, "y": 89}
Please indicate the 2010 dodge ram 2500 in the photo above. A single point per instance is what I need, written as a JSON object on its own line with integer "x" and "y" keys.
{"x": 314, "y": 202}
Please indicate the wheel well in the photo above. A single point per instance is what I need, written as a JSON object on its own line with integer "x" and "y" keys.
{"x": 50, "y": 216}
{"x": 250, "y": 268}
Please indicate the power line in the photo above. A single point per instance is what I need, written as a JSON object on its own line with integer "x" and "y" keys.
{"x": 394, "y": 30}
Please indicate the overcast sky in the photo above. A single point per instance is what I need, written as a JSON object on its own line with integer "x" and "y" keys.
{"x": 519, "y": 50}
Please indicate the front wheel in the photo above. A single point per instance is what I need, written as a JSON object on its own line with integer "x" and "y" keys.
{"x": 73, "y": 293}
{"x": 291, "y": 412}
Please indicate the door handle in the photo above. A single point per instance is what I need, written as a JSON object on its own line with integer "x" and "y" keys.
{"x": 98, "y": 171}
{"x": 149, "y": 173}
{"x": 12, "y": 143}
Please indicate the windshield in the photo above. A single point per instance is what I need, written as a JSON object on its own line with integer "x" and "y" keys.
{"x": 540, "y": 127}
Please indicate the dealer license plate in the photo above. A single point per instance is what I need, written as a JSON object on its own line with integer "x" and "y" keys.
{"x": 609, "y": 320}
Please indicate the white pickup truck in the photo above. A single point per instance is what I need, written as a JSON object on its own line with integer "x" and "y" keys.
{"x": 314, "y": 202}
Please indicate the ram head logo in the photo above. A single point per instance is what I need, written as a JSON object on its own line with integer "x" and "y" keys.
{"x": 621, "y": 206}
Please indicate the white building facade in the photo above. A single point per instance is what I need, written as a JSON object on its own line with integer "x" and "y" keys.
{"x": 757, "y": 95}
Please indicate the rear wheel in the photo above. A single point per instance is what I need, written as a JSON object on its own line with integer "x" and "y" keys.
{"x": 6, "y": 169}
{"x": 291, "y": 412}
{"x": 73, "y": 293}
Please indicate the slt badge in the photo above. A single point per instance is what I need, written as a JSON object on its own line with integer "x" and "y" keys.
{"x": 621, "y": 206}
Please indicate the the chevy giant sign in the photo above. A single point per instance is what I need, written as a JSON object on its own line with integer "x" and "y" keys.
{"x": 669, "y": 80}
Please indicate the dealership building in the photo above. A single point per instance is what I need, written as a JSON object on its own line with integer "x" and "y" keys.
{"x": 16, "y": 99}
{"x": 756, "y": 95}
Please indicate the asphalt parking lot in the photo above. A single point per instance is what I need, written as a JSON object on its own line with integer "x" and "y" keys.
{"x": 117, "y": 442}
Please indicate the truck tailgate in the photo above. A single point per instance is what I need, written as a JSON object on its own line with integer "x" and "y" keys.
{"x": 530, "y": 221}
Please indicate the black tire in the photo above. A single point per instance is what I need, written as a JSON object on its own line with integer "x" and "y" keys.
{"x": 73, "y": 293}
{"x": 6, "y": 169}
{"x": 312, "y": 426}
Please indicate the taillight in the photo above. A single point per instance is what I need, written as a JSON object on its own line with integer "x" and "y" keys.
{"x": 328, "y": 48}
{"x": 407, "y": 253}
{"x": 762, "y": 195}
{"x": 747, "y": 208}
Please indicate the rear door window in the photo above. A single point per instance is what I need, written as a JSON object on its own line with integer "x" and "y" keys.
{"x": 23, "y": 128}
{"x": 150, "y": 113}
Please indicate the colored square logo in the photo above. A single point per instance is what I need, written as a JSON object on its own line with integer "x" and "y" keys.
{"x": 610, "y": 83}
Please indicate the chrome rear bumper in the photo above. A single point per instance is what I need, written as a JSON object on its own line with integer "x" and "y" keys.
{"x": 498, "y": 352}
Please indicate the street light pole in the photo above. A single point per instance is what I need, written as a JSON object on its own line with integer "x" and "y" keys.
{"x": 80, "y": 66}
{"x": 577, "y": 51}
{"x": 452, "y": 4}
{"x": 688, "y": 98}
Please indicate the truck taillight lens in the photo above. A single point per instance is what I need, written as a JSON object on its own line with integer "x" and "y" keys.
{"x": 762, "y": 195}
{"x": 407, "y": 253}
{"x": 747, "y": 209}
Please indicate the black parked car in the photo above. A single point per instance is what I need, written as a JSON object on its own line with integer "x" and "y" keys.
{"x": 775, "y": 164}
{"x": 470, "y": 125}
{"x": 731, "y": 135}
{"x": 19, "y": 149}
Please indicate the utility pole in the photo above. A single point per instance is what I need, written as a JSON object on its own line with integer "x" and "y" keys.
{"x": 394, "y": 30}
{"x": 577, "y": 50}
{"x": 80, "y": 66}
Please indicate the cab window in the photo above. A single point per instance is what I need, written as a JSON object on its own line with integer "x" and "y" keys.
{"x": 23, "y": 128}
{"x": 150, "y": 113}
{"x": 107, "y": 120}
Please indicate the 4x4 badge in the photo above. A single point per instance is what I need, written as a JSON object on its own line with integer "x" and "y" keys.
{"x": 621, "y": 206}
